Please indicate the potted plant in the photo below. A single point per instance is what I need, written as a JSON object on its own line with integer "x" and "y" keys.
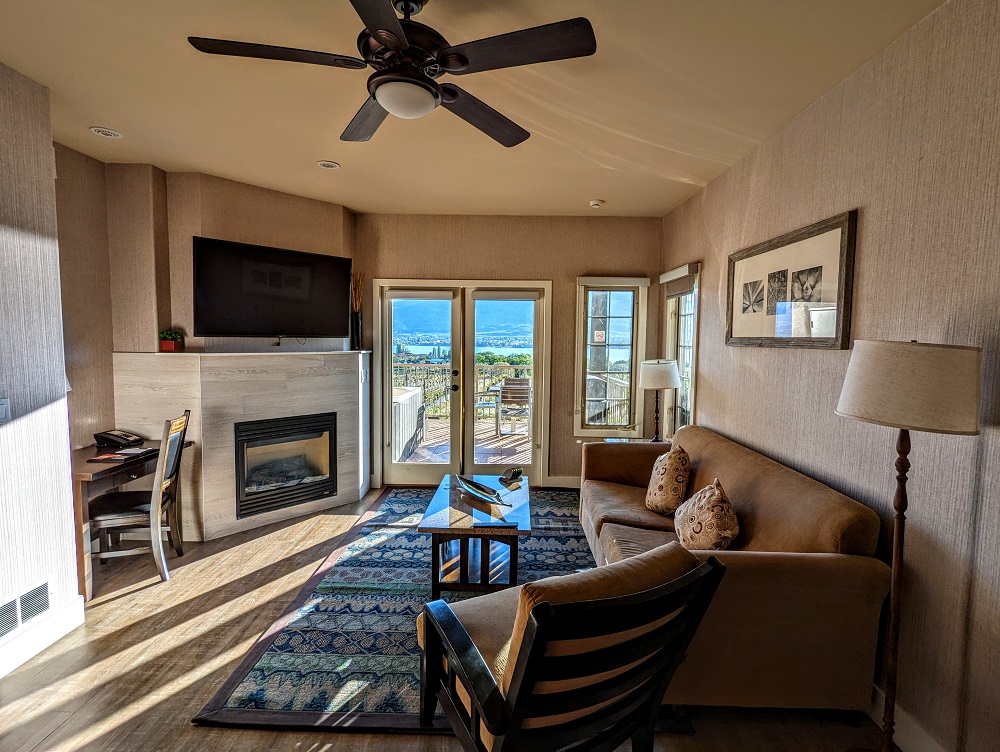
{"x": 171, "y": 340}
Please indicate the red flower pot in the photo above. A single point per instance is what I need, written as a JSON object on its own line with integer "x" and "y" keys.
{"x": 169, "y": 345}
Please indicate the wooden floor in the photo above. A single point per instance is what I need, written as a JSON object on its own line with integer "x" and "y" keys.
{"x": 151, "y": 654}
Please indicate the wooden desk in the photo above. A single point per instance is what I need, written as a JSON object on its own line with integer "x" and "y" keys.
{"x": 90, "y": 480}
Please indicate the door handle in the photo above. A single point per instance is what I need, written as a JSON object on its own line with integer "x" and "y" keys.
{"x": 454, "y": 387}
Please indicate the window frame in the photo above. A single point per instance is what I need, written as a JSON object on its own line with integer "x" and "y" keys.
{"x": 671, "y": 342}
{"x": 640, "y": 286}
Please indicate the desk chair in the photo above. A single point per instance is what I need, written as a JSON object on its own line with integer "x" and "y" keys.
{"x": 125, "y": 511}
{"x": 578, "y": 662}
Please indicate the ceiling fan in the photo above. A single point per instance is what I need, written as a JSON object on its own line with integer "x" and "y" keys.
{"x": 408, "y": 58}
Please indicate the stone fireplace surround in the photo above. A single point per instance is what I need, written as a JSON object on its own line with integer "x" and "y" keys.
{"x": 222, "y": 389}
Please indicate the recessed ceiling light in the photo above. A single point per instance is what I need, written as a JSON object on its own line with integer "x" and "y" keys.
{"x": 100, "y": 130}
{"x": 326, "y": 164}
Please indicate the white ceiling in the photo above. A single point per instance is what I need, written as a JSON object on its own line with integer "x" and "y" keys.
{"x": 678, "y": 91}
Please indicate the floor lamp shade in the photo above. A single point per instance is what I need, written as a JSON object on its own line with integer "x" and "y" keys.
{"x": 659, "y": 374}
{"x": 913, "y": 385}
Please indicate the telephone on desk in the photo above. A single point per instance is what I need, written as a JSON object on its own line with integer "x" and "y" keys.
{"x": 116, "y": 439}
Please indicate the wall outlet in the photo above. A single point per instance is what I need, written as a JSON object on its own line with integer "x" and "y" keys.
{"x": 4, "y": 410}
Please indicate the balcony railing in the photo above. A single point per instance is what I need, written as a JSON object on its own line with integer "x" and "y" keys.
{"x": 609, "y": 401}
{"x": 435, "y": 380}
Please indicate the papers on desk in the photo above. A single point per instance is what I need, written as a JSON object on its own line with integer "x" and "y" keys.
{"x": 123, "y": 455}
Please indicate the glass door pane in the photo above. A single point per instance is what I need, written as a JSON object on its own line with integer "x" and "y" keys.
{"x": 501, "y": 385}
{"x": 422, "y": 422}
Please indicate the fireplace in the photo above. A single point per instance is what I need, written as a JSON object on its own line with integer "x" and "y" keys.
{"x": 285, "y": 461}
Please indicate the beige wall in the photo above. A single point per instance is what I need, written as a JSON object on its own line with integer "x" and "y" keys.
{"x": 137, "y": 248}
{"x": 81, "y": 205}
{"x": 556, "y": 248}
{"x": 910, "y": 140}
{"x": 37, "y": 542}
{"x": 213, "y": 207}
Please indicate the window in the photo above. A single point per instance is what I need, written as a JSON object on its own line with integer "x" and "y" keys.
{"x": 681, "y": 334}
{"x": 611, "y": 336}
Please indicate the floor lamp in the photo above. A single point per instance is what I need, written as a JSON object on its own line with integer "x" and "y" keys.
{"x": 657, "y": 375}
{"x": 911, "y": 386}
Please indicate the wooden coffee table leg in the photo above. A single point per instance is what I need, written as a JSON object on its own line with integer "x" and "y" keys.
{"x": 512, "y": 542}
{"x": 484, "y": 561}
{"x": 463, "y": 560}
{"x": 435, "y": 566}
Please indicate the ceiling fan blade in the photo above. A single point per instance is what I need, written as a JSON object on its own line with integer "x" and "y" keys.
{"x": 366, "y": 122}
{"x": 479, "y": 114}
{"x": 382, "y": 22}
{"x": 540, "y": 44}
{"x": 269, "y": 52}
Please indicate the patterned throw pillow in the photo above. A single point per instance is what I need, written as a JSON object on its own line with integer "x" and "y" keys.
{"x": 669, "y": 481}
{"x": 707, "y": 521}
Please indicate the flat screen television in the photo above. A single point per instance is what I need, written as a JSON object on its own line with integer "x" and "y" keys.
{"x": 243, "y": 290}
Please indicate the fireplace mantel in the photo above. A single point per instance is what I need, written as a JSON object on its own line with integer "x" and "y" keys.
{"x": 222, "y": 389}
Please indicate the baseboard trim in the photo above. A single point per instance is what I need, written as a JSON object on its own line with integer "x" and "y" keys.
{"x": 561, "y": 481}
{"x": 909, "y": 735}
{"x": 40, "y": 633}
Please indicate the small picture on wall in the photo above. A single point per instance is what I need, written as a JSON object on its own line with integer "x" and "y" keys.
{"x": 807, "y": 285}
{"x": 794, "y": 290}
{"x": 777, "y": 290}
{"x": 753, "y": 296}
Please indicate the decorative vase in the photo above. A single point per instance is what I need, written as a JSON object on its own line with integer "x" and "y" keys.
{"x": 169, "y": 345}
{"x": 355, "y": 330}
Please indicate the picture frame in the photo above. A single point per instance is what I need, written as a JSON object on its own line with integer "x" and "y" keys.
{"x": 795, "y": 290}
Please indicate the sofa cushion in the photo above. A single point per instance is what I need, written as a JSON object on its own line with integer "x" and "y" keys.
{"x": 779, "y": 509}
{"x": 669, "y": 481}
{"x": 625, "y": 505}
{"x": 619, "y": 542}
{"x": 628, "y": 463}
{"x": 706, "y": 521}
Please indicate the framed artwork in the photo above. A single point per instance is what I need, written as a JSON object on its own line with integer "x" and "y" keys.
{"x": 794, "y": 291}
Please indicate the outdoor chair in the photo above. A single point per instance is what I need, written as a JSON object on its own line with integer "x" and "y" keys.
{"x": 114, "y": 513}
{"x": 514, "y": 403}
{"x": 577, "y": 662}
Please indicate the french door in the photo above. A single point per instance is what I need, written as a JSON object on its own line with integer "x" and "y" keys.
{"x": 462, "y": 379}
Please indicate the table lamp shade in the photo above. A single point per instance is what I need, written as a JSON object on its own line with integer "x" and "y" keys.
{"x": 659, "y": 374}
{"x": 913, "y": 385}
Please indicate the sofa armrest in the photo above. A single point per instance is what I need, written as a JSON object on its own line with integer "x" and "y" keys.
{"x": 787, "y": 630}
{"x": 630, "y": 463}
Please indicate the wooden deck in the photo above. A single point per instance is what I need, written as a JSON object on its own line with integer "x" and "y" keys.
{"x": 506, "y": 449}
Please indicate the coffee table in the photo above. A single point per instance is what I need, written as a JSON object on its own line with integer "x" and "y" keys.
{"x": 450, "y": 517}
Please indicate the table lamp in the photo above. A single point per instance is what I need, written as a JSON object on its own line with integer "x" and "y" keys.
{"x": 657, "y": 375}
{"x": 912, "y": 386}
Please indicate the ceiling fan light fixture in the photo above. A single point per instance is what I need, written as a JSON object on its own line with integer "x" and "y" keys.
{"x": 406, "y": 100}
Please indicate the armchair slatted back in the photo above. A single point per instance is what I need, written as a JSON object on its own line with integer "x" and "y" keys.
{"x": 590, "y": 673}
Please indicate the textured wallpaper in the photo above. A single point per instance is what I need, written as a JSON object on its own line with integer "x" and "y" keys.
{"x": 910, "y": 140}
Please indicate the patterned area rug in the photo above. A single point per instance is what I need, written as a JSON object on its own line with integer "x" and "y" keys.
{"x": 344, "y": 655}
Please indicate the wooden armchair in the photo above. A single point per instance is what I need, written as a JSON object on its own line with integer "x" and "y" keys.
{"x": 123, "y": 511}
{"x": 579, "y": 662}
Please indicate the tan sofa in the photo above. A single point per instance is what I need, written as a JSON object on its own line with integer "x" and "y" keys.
{"x": 795, "y": 621}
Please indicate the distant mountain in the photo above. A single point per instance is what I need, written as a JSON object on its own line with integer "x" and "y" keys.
{"x": 496, "y": 317}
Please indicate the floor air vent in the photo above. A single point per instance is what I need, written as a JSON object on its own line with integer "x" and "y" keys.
{"x": 16, "y": 612}
{"x": 8, "y": 617}
{"x": 34, "y": 602}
